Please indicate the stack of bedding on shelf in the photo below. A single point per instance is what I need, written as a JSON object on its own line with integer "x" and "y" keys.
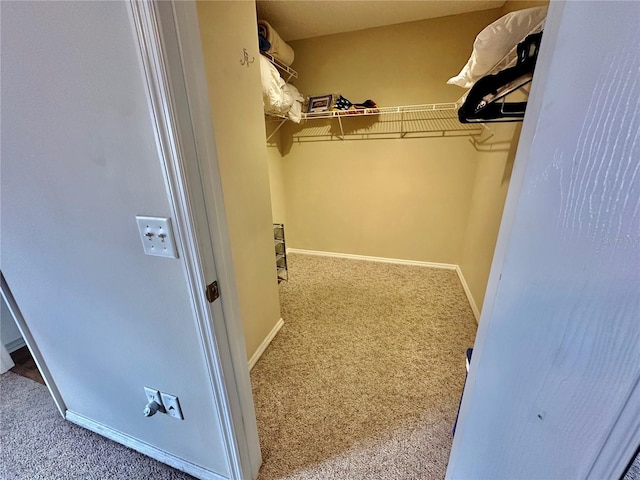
{"x": 279, "y": 98}
{"x": 271, "y": 42}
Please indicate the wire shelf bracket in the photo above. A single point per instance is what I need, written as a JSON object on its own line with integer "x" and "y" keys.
{"x": 286, "y": 69}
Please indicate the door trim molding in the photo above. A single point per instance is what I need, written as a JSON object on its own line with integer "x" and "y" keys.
{"x": 16, "y": 344}
{"x": 160, "y": 30}
{"x": 230, "y": 330}
{"x": 31, "y": 343}
{"x": 142, "y": 447}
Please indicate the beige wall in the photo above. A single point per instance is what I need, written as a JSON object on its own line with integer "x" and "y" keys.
{"x": 226, "y": 29}
{"x": 489, "y": 194}
{"x": 276, "y": 180}
{"x": 401, "y": 198}
{"x": 487, "y": 202}
{"x": 405, "y": 199}
{"x": 394, "y": 65}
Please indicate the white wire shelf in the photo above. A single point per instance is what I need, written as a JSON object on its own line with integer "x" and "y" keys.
{"x": 424, "y": 120}
{"x": 427, "y": 107}
{"x": 275, "y": 116}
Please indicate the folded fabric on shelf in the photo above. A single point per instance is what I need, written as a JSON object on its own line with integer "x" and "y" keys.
{"x": 344, "y": 104}
{"x": 279, "y": 98}
{"x": 279, "y": 48}
{"x": 295, "y": 112}
{"x": 263, "y": 43}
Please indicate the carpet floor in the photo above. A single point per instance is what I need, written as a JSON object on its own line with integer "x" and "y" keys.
{"x": 633, "y": 473}
{"x": 36, "y": 443}
{"x": 364, "y": 379}
{"x": 362, "y": 382}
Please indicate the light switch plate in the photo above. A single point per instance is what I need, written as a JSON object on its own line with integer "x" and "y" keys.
{"x": 157, "y": 236}
{"x": 153, "y": 395}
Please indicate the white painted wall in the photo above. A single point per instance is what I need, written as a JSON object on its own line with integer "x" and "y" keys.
{"x": 557, "y": 358}
{"x": 79, "y": 161}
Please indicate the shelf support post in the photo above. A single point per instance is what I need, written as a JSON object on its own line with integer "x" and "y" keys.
{"x": 276, "y": 129}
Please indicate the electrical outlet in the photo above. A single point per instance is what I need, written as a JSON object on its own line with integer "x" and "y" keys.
{"x": 157, "y": 236}
{"x": 172, "y": 405}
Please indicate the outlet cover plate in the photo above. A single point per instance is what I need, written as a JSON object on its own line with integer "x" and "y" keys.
{"x": 172, "y": 405}
{"x": 157, "y": 236}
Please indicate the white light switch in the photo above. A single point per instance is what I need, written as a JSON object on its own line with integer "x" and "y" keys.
{"x": 157, "y": 236}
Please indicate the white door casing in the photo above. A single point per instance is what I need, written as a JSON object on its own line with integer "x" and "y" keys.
{"x": 171, "y": 52}
{"x": 16, "y": 314}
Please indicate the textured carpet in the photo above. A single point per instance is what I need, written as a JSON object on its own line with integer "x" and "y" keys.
{"x": 362, "y": 382}
{"x": 36, "y": 443}
{"x": 633, "y": 473}
{"x": 364, "y": 379}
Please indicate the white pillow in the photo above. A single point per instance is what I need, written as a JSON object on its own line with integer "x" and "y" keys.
{"x": 295, "y": 112}
{"x": 495, "y": 41}
{"x": 274, "y": 96}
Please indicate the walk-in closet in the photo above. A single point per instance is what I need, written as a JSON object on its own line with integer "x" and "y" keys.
{"x": 370, "y": 192}
{"x": 404, "y": 179}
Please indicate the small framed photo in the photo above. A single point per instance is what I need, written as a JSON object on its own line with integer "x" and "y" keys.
{"x": 319, "y": 104}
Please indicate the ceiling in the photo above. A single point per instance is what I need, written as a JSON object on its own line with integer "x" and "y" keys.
{"x": 297, "y": 19}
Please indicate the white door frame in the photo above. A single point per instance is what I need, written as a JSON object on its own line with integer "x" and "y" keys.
{"x": 31, "y": 344}
{"x": 173, "y": 66}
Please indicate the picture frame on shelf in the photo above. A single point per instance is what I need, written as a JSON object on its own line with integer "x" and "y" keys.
{"x": 320, "y": 103}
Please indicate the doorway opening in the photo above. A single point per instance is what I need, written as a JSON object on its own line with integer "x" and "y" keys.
{"x": 390, "y": 239}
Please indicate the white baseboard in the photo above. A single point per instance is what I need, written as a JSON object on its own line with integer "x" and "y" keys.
{"x": 265, "y": 343}
{"x": 467, "y": 290}
{"x": 445, "y": 266}
{"x": 15, "y": 345}
{"x": 399, "y": 261}
{"x": 143, "y": 447}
